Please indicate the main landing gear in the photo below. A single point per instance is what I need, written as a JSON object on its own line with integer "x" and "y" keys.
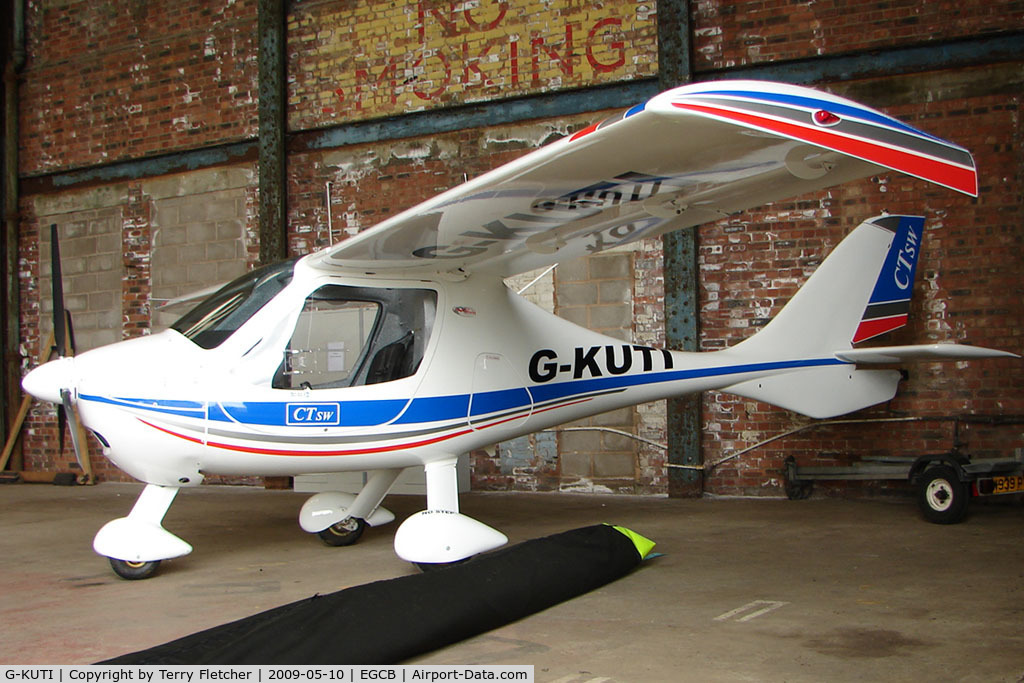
{"x": 440, "y": 535}
{"x": 345, "y": 532}
{"x": 339, "y": 519}
{"x": 437, "y": 537}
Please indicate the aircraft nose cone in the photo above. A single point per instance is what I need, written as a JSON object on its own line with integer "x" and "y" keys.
{"x": 46, "y": 381}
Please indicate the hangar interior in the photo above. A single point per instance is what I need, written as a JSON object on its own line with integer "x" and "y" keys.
{"x": 176, "y": 147}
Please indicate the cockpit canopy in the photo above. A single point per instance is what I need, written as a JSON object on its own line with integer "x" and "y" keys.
{"x": 227, "y": 309}
{"x": 351, "y": 336}
{"x": 343, "y": 336}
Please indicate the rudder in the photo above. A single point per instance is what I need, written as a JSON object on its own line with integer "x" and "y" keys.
{"x": 889, "y": 305}
{"x": 860, "y": 290}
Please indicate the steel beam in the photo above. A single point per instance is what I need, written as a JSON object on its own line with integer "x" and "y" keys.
{"x": 273, "y": 122}
{"x": 10, "y": 368}
{"x": 679, "y": 250}
{"x": 478, "y": 115}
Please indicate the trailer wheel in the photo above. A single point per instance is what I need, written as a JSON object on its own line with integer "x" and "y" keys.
{"x": 942, "y": 496}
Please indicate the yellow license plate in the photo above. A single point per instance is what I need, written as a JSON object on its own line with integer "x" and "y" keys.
{"x": 1008, "y": 484}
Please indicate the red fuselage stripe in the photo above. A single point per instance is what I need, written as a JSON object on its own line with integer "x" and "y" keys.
{"x": 355, "y": 451}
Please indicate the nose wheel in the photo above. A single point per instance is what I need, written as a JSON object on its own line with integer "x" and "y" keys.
{"x": 134, "y": 570}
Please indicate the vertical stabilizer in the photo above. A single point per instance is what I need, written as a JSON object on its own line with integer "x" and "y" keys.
{"x": 860, "y": 291}
{"x": 889, "y": 304}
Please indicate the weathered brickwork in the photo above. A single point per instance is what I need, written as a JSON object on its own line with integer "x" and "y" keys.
{"x": 649, "y": 330}
{"x": 367, "y": 59}
{"x": 161, "y": 77}
{"x": 736, "y": 32}
{"x": 116, "y": 80}
{"x": 107, "y": 81}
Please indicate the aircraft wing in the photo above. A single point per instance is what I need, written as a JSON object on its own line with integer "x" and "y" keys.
{"x": 690, "y": 155}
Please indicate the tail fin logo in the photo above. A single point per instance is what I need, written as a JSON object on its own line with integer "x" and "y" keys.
{"x": 889, "y": 304}
{"x": 906, "y": 260}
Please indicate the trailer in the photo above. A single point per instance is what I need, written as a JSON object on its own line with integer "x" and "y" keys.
{"x": 943, "y": 483}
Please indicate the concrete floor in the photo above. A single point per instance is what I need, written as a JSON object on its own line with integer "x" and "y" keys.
{"x": 764, "y": 590}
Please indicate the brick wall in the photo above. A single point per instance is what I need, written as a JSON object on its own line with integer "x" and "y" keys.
{"x": 106, "y": 81}
{"x": 365, "y": 59}
{"x": 114, "y": 80}
{"x": 736, "y": 32}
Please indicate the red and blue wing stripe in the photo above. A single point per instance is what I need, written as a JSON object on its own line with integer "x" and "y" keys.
{"x": 843, "y": 127}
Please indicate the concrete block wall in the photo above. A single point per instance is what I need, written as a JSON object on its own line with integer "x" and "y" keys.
{"x": 158, "y": 78}
{"x": 198, "y": 242}
{"x": 125, "y": 248}
{"x": 92, "y": 269}
{"x": 597, "y": 293}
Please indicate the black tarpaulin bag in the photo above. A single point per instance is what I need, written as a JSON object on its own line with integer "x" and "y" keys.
{"x": 386, "y": 622}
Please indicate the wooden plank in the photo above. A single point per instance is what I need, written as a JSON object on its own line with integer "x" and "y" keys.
{"x": 26, "y": 403}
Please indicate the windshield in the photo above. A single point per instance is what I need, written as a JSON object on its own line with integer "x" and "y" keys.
{"x": 216, "y": 318}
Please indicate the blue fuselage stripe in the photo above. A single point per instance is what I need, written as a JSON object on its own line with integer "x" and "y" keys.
{"x": 431, "y": 409}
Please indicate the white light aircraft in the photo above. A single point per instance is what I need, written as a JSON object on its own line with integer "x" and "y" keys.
{"x": 402, "y": 346}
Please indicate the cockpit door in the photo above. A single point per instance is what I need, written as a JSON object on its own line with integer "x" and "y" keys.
{"x": 499, "y": 394}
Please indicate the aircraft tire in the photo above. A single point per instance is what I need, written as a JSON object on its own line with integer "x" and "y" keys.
{"x": 345, "y": 532}
{"x": 941, "y": 495}
{"x": 134, "y": 571}
{"x": 427, "y": 567}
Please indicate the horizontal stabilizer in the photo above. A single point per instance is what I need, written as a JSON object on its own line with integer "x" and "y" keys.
{"x": 895, "y": 354}
{"x": 822, "y": 392}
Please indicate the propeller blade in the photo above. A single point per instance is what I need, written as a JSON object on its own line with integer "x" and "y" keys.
{"x": 62, "y": 423}
{"x": 65, "y": 397}
{"x": 57, "y": 282}
{"x": 70, "y": 333}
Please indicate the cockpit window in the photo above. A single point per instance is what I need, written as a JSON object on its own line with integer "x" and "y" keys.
{"x": 217, "y": 318}
{"x": 350, "y": 336}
